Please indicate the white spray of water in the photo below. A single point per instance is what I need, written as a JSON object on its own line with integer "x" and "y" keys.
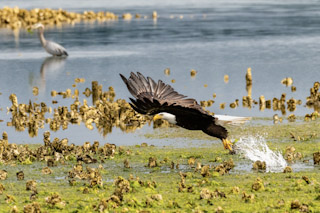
{"x": 256, "y": 148}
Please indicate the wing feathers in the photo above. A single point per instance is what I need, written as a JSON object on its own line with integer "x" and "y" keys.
{"x": 152, "y": 97}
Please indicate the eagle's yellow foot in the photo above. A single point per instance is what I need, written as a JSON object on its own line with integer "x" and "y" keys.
{"x": 227, "y": 144}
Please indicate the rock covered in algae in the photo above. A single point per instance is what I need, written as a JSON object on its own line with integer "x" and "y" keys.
{"x": 226, "y": 78}
{"x": 287, "y": 81}
{"x": 35, "y": 91}
{"x": 259, "y": 165}
{"x": 14, "y": 209}
{"x": 3, "y": 174}
{"x": 206, "y": 194}
{"x": 193, "y": 73}
{"x": 55, "y": 200}
{"x": 32, "y": 208}
{"x": 16, "y": 18}
{"x": 167, "y": 71}
{"x": 152, "y": 162}
{"x": 219, "y": 209}
{"x": 191, "y": 161}
{"x": 306, "y": 179}
{"x": 2, "y": 188}
{"x": 10, "y": 199}
{"x": 85, "y": 190}
{"x": 156, "y": 197}
{"x": 205, "y": 171}
{"x": 295, "y": 204}
{"x": 291, "y": 118}
{"x": 20, "y": 175}
{"x": 126, "y": 164}
{"x": 104, "y": 115}
{"x": 288, "y": 169}
{"x": 31, "y": 185}
{"x": 46, "y": 171}
{"x": 225, "y": 167}
{"x": 248, "y": 198}
{"x": 122, "y": 186}
{"x": 316, "y": 158}
{"x": 235, "y": 190}
{"x": 258, "y": 185}
{"x": 290, "y": 153}
{"x": 222, "y": 105}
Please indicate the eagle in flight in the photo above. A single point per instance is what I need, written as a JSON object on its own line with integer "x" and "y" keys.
{"x": 160, "y": 99}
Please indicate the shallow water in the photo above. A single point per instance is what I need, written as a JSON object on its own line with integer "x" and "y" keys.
{"x": 256, "y": 149}
{"x": 276, "y": 40}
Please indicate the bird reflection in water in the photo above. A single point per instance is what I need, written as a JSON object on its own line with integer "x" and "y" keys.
{"x": 50, "y": 69}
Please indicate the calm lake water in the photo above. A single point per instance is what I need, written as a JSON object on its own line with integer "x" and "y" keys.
{"x": 216, "y": 38}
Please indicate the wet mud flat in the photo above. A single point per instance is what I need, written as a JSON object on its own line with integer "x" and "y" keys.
{"x": 57, "y": 176}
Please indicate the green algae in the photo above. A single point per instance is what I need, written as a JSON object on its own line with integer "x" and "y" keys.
{"x": 167, "y": 188}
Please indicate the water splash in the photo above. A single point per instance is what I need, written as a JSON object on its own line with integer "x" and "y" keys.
{"x": 256, "y": 148}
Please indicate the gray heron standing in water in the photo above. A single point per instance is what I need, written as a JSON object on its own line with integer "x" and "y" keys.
{"x": 50, "y": 46}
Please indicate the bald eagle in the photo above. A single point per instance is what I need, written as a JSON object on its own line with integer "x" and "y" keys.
{"x": 160, "y": 99}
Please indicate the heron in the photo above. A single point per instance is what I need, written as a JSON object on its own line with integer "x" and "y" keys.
{"x": 50, "y": 46}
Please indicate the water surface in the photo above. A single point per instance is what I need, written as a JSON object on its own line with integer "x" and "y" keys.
{"x": 276, "y": 39}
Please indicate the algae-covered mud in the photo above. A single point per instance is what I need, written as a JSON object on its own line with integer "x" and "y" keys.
{"x": 58, "y": 176}
{"x": 275, "y": 166}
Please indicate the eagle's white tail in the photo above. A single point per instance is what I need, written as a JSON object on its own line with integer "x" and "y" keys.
{"x": 227, "y": 119}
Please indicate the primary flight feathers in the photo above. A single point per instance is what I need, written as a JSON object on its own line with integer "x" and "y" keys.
{"x": 152, "y": 97}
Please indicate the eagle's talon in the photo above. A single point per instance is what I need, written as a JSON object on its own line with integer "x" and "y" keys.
{"x": 227, "y": 144}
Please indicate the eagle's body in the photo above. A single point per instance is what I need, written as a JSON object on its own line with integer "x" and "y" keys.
{"x": 161, "y": 100}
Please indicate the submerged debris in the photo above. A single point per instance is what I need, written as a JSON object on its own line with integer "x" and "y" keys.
{"x": 287, "y": 81}
{"x": 152, "y": 162}
{"x": 288, "y": 169}
{"x": 167, "y": 71}
{"x": 259, "y": 165}
{"x": 313, "y": 101}
{"x": 20, "y": 175}
{"x": 226, "y": 78}
{"x": 193, "y": 73}
{"x": 35, "y": 91}
{"x": 291, "y": 118}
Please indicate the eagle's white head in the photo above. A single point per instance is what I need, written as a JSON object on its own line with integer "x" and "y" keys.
{"x": 165, "y": 116}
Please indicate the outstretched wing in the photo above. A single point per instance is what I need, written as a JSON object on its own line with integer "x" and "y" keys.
{"x": 153, "y": 98}
{"x": 55, "y": 49}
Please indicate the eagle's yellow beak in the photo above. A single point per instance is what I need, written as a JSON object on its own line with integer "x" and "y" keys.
{"x": 157, "y": 117}
{"x": 227, "y": 144}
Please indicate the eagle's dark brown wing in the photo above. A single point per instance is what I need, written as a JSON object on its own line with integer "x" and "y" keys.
{"x": 153, "y": 98}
